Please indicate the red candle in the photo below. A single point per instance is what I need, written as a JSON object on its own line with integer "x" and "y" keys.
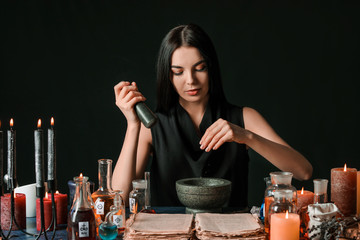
{"x": 47, "y": 212}
{"x": 304, "y": 198}
{"x": 61, "y": 208}
{"x": 343, "y": 189}
{"x": 19, "y": 211}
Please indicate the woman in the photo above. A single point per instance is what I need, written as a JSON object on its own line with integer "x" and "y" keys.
{"x": 198, "y": 133}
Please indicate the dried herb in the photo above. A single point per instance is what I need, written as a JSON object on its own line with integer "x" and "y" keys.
{"x": 334, "y": 228}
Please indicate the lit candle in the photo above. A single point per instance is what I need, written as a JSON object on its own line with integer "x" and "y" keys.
{"x": 51, "y": 174}
{"x": 39, "y": 155}
{"x": 61, "y": 208}
{"x": 1, "y": 161}
{"x": 47, "y": 212}
{"x": 304, "y": 198}
{"x": 11, "y": 167}
{"x": 343, "y": 189}
{"x": 19, "y": 211}
{"x": 284, "y": 226}
{"x": 358, "y": 194}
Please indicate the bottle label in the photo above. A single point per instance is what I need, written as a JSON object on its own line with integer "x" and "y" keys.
{"x": 118, "y": 220}
{"x": 83, "y": 229}
{"x": 132, "y": 205}
{"x": 99, "y": 206}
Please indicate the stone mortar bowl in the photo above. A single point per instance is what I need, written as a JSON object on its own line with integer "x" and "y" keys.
{"x": 203, "y": 194}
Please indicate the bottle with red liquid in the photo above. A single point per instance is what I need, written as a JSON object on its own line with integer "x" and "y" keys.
{"x": 81, "y": 220}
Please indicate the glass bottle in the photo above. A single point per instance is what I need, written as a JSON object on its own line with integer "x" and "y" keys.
{"x": 81, "y": 220}
{"x": 119, "y": 216}
{"x": 137, "y": 196}
{"x": 108, "y": 229}
{"x": 320, "y": 190}
{"x": 147, "y": 208}
{"x": 262, "y": 209}
{"x": 279, "y": 181}
{"x": 103, "y": 197}
{"x": 280, "y": 209}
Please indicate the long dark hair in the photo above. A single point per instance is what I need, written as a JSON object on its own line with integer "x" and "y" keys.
{"x": 186, "y": 35}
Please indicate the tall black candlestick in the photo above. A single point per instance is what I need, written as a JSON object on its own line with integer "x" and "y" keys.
{"x": 51, "y": 174}
{"x": 39, "y": 156}
{"x": 11, "y": 158}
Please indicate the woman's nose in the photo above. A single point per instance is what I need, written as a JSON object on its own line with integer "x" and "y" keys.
{"x": 190, "y": 78}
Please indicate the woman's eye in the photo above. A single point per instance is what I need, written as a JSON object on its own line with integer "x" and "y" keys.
{"x": 177, "y": 73}
{"x": 201, "y": 68}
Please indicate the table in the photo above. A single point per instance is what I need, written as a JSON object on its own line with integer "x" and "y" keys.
{"x": 62, "y": 234}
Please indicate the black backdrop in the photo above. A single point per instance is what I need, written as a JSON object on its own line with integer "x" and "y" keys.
{"x": 296, "y": 62}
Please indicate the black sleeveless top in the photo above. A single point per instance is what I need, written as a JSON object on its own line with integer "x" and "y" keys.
{"x": 177, "y": 155}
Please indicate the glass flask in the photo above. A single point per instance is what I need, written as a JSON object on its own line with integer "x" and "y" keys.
{"x": 103, "y": 198}
{"x": 320, "y": 190}
{"x": 137, "y": 196}
{"x": 108, "y": 229}
{"x": 279, "y": 181}
{"x": 81, "y": 220}
{"x": 147, "y": 208}
{"x": 283, "y": 218}
{"x": 119, "y": 216}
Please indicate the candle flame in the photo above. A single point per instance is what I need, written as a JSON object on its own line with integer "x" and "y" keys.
{"x": 52, "y": 121}
{"x": 46, "y": 195}
{"x": 287, "y": 214}
{"x": 57, "y": 192}
{"x": 39, "y": 123}
{"x": 81, "y": 175}
{"x": 302, "y": 190}
{"x": 11, "y": 122}
{"x": 345, "y": 167}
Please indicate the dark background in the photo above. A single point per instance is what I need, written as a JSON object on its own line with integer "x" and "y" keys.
{"x": 296, "y": 62}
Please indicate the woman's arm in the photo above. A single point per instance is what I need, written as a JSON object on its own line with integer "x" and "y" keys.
{"x": 137, "y": 142}
{"x": 261, "y": 137}
{"x": 132, "y": 159}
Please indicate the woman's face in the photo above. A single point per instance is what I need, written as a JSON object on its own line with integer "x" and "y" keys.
{"x": 189, "y": 75}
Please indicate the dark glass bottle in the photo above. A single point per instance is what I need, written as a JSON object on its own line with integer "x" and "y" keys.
{"x": 81, "y": 220}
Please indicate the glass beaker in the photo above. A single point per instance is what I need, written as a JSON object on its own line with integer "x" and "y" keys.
{"x": 320, "y": 190}
{"x": 103, "y": 197}
{"x": 81, "y": 220}
{"x": 137, "y": 196}
{"x": 279, "y": 181}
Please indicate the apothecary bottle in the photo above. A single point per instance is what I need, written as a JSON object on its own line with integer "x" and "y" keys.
{"x": 137, "y": 196}
{"x": 103, "y": 197}
{"x": 279, "y": 181}
{"x": 320, "y": 190}
{"x": 81, "y": 220}
{"x": 283, "y": 214}
{"x": 119, "y": 216}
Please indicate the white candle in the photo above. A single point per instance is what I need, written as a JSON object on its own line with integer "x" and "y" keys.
{"x": 39, "y": 156}
{"x": 30, "y": 193}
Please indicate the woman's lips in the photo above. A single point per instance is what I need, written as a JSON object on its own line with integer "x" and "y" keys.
{"x": 192, "y": 92}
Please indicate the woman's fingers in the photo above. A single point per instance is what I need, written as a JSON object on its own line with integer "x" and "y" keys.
{"x": 217, "y": 134}
{"x": 217, "y": 139}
